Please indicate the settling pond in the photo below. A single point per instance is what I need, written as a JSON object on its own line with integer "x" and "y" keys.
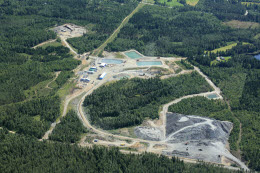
{"x": 112, "y": 61}
{"x": 212, "y": 96}
{"x": 147, "y": 63}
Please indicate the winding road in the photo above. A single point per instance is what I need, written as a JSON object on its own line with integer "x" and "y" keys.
{"x": 64, "y": 40}
{"x": 87, "y": 124}
{"x": 91, "y": 88}
{"x": 43, "y": 43}
{"x": 56, "y": 75}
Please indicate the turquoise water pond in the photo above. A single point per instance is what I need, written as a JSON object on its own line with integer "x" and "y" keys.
{"x": 133, "y": 55}
{"x": 111, "y": 61}
{"x": 145, "y": 63}
{"x": 212, "y": 96}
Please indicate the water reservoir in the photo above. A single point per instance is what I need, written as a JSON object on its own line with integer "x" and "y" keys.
{"x": 147, "y": 63}
{"x": 212, "y": 96}
{"x": 133, "y": 55}
{"x": 257, "y": 57}
{"x": 111, "y": 61}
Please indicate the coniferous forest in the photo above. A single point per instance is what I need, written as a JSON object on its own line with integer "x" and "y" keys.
{"x": 129, "y": 102}
{"x": 20, "y": 153}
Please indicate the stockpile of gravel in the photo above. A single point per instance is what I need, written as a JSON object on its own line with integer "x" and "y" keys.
{"x": 181, "y": 128}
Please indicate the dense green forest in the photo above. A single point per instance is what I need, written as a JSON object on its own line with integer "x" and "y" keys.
{"x": 129, "y": 102}
{"x": 31, "y": 117}
{"x": 184, "y": 31}
{"x": 69, "y": 130}
{"x": 240, "y": 85}
{"x": 102, "y": 23}
{"x": 250, "y": 137}
{"x": 25, "y": 24}
{"x": 24, "y": 154}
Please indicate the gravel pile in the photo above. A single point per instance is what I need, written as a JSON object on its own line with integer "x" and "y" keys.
{"x": 196, "y": 128}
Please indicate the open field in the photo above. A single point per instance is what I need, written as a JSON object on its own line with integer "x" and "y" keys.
{"x": 257, "y": 36}
{"x": 148, "y": 1}
{"x": 38, "y": 90}
{"x": 54, "y": 44}
{"x": 192, "y": 2}
{"x": 224, "y": 48}
{"x": 242, "y": 24}
{"x": 171, "y": 3}
{"x": 249, "y": 3}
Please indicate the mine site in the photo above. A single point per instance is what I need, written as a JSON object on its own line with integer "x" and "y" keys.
{"x": 130, "y": 86}
{"x": 190, "y": 137}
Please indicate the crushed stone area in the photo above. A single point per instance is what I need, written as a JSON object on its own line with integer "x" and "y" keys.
{"x": 69, "y": 30}
{"x": 195, "y": 128}
{"x": 206, "y": 151}
{"x": 191, "y": 136}
{"x": 148, "y": 133}
{"x": 196, "y": 137}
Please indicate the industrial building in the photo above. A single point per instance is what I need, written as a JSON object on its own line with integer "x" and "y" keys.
{"x": 103, "y": 65}
{"x": 102, "y": 76}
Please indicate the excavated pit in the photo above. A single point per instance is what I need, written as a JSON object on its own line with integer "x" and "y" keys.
{"x": 191, "y": 136}
{"x": 182, "y": 128}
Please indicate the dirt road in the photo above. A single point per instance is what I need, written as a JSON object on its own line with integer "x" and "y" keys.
{"x": 114, "y": 34}
{"x": 67, "y": 101}
{"x": 43, "y": 43}
{"x": 163, "y": 115}
{"x": 64, "y": 40}
{"x": 56, "y": 75}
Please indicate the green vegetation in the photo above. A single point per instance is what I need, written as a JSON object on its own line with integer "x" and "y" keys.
{"x": 210, "y": 108}
{"x": 257, "y": 36}
{"x": 241, "y": 24}
{"x": 115, "y": 33}
{"x": 69, "y": 130}
{"x": 251, "y": 3}
{"x": 28, "y": 107}
{"x": 250, "y": 135}
{"x": 154, "y": 31}
{"x": 120, "y": 56}
{"x": 106, "y": 17}
{"x": 184, "y": 65}
{"x": 51, "y": 44}
{"x": 62, "y": 78}
{"x": 192, "y": 2}
{"x": 230, "y": 46}
{"x": 215, "y": 62}
{"x": 32, "y": 117}
{"x": 238, "y": 79}
{"x": 23, "y": 154}
{"x": 128, "y": 102}
{"x": 169, "y": 3}
{"x": 38, "y": 90}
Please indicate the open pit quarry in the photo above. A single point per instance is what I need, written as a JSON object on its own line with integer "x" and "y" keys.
{"x": 191, "y": 136}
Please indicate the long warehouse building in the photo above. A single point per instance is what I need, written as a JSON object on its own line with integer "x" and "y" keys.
{"x": 102, "y": 76}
